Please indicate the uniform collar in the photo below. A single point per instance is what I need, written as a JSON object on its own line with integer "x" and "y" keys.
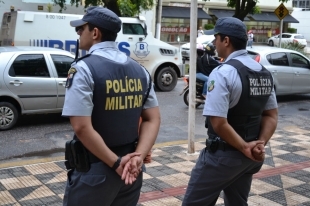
{"x": 241, "y": 52}
{"x": 111, "y": 44}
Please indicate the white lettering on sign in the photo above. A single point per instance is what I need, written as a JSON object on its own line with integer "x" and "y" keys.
{"x": 175, "y": 29}
{"x": 260, "y": 86}
{"x": 51, "y": 16}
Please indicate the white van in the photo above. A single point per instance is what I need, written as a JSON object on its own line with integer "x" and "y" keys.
{"x": 41, "y": 29}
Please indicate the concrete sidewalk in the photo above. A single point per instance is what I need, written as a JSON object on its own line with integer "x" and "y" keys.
{"x": 283, "y": 180}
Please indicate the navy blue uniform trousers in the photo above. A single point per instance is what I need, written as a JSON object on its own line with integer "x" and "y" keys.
{"x": 228, "y": 171}
{"x": 100, "y": 186}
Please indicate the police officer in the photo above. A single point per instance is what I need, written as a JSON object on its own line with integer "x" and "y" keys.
{"x": 242, "y": 116}
{"x": 107, "y": 93}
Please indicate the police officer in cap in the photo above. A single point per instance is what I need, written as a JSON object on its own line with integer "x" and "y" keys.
{"x": 242, "y": 116}
{"x": 107, "y": 93}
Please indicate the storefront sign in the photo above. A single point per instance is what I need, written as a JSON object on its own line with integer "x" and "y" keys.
{"x": 264, "y": 31}
{"x": 179, "y": 30}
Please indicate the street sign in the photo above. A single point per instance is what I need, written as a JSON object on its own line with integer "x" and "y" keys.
{"x": 281, "y": 11}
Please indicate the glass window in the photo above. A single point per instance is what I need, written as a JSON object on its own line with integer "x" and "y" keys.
{"x": 299, "y": 37}
{"x": 279, "y": 59}
{"x": 135, "y": 29}
{"x": 299, "y": 61}
{"x": 29, "y": 65}
{"x": 62, "y": 64}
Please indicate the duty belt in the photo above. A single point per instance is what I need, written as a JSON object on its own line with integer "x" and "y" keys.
{"x": 214, "y": 144}
{"x": 119, "y": 151}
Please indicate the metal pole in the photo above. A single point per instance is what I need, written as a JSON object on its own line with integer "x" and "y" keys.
{"x": 192, "y": 78}
{"x": 158, "y": 19}
{"x": 281, "y": 27}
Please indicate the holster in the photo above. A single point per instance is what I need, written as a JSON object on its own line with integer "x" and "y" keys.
{"x": 76, "y": 156}
{"x": 212, "y": 145}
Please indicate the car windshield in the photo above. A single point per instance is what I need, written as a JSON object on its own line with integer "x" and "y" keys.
{"x": 299, "y": 37}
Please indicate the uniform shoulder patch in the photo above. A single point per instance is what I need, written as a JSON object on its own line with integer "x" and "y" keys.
{"x": 71, "y": 73}
{"x": 211, "y": 85}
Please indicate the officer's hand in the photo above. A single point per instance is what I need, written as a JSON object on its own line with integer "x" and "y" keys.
{"x": 247, "y": 149}
{"x": 258, "y": 152}
{"x": 132, "y": 169}
{"x": 123, "y": 162}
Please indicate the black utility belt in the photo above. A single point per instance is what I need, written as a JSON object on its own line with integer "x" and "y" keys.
{"x": 216, "y": 144}
{"x": 79, "y": 158}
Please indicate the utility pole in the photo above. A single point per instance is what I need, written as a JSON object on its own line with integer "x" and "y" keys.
{"x": 158, "y": 19}
{"x": 192, "y": 79}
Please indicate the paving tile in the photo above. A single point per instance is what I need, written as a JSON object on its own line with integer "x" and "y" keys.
{"x": 283, "y": 180}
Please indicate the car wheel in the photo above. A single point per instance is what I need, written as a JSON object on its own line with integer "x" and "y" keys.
{"x": 166, "y": 79}
{"x": 271, "y": 43}
{"x": 8, "y": 115}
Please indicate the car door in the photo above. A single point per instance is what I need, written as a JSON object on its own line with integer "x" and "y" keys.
{"x": 62, "y": 64}
{"x": 281, "y": 71}
{"x": 276, "y": 39}
{"x": 301, "y": 67}
{"x": 286, "y": 38}
{"x": 28, "y": 77}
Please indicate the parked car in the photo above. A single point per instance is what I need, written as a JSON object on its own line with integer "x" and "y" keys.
{"x": 287, "y": 38}
{"x": 290, "y": 69}
{"x": 33, "y": 81}
{"x": 204, "y": 39}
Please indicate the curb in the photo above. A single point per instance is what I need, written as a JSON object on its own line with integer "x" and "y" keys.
{"x": 17, "y": 163}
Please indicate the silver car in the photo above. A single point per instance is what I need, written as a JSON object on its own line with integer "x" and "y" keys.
{"x": 290, "y": 69}
{"x": 32, "y": 80}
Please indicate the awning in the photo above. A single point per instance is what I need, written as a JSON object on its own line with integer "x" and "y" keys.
{"x": 182, "y": 12}
{"x": 219, "y": 13}
{"x": 271, "y": 17}
{"x": 290, "y": 19}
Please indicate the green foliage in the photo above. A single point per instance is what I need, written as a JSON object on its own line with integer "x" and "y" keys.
{"x": 208, "y": 26}
{"x": 49, "y": 7}
{"x": 120, "y": 7}
{"x": 292, "y": 30}
{"x": 294, "y": 46}
{"x": 134, "y": 7}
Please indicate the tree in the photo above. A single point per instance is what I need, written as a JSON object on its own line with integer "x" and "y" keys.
{"x": 120, "y": 7}
{"x": 244, "y": 7}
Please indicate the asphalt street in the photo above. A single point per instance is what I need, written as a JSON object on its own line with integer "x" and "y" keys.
{"x": 44, "y": 136}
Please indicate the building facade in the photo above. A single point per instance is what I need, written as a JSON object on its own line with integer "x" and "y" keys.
{"x": 176, "y": 18}
{"x": 301, "y": 3}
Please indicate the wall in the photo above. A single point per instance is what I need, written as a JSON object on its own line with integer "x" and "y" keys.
{"x": 303, "y": 27}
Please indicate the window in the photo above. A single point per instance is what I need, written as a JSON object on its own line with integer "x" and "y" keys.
{"x": 135, "y": 29}
{"x": 299, "y": 37}
{"x": 299, "y": 61}
{"x": 29, "y": 65}
{"x": 286, "y": 36}
{"x": 279, "y": 59}
{"x": 62, "y": 64}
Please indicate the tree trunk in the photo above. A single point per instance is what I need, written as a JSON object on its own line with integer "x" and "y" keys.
{"x": 113, "y": 6}
{"x": 243, "y": 13}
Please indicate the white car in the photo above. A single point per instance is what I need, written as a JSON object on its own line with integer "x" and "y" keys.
{"x": 204, "y": 39}
{"x": 287, "y": 38}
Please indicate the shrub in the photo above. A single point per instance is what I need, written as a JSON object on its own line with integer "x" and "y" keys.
{"x": 294, "y": 46}
{"x": 291, "y": 30}
{"x": 209, "y": 26}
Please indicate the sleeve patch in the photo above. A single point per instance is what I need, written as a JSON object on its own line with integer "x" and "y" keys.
{"x": 71, "y": 73}
{"x": 211, "y": 85}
